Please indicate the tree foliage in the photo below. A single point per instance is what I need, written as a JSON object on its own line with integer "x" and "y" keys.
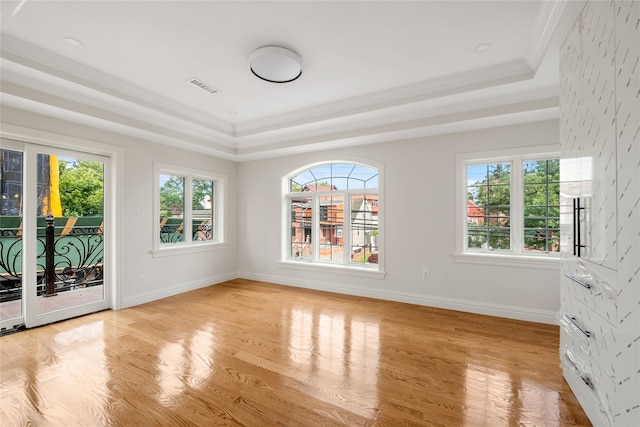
{"x": 202, "y": 191}
{"x": 542, "y": 205}
{"x": 296, "y": 187}
{"x": 81, "y": 188}
{"x": 493, "y": 192}
{"x": 172, "y": 195}
{"x": 492, "y": 196}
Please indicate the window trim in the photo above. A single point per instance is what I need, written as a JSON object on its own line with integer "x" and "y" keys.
{"x": 515, "y": 156}
{"x": 354, "y": 269}
{"x": 218, "y": 203}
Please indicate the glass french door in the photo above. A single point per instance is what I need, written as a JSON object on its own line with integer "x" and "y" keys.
{"x": 53, "y": 244}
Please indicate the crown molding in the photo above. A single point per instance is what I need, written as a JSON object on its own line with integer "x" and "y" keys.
{"x": 28, "y": 55}
{"x": 549, "y": 17}
{"x": 34, "y": 79}
{"x": 34, "y": 101}
{"x": 98, "y": 83}
{"x": 553, "y": 21}
{"x": 430, "y": 89}
{"x": 10, "y": 8}
{"x": 480, "y": 118}
{"x": 21, "y": 81}
{"x": 403, "y": 115}
{"x": 543, "y": 30}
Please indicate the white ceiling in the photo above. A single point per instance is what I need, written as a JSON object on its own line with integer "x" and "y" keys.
{"x": 372, "y": 70}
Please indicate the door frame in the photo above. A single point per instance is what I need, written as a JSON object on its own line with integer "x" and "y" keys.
{"x": 113, "y": 209}
{"x": 31, "y": 315}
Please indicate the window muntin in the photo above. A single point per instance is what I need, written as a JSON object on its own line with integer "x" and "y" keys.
{"x": 364, "y": 229}
{"x": 300, "y": 209}
{"x": 512, "y": 205}
{"x": 171, "y": 209}
{"x": 541, "y": 205}
{"x": 331, "y": 219}
{"x": 188, "y": 208}
{"x": 335, "y": 176}
{"x": 489, "y": 206}
{"x": 333, "y": 214}
{"x": 202, "y": 209}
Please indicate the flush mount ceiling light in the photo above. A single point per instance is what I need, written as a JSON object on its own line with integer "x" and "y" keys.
{"x": 275, "y": 64}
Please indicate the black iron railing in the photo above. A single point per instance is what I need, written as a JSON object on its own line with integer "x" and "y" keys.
{"x": 68, "y": 257}
{"x": 172, "y": 230}
{"x": 10, "y": 264}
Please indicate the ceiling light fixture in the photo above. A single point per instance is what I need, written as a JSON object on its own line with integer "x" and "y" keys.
{"x": 275, "y": 64}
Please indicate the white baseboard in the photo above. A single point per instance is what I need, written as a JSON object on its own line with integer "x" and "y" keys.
{"x": 175, "y": 290}
{"x": 510, "y": 312}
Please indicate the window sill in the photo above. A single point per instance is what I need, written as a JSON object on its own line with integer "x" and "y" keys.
{"x": 509, "y": 260}
{"x": 187, "y": 249}
{"x": 343, "y": 270}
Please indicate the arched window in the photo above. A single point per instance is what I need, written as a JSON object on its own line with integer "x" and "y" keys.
{"x": 333, "y": 214}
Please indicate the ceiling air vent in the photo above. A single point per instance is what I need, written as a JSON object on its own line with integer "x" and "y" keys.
{"x": 202, "y": 85}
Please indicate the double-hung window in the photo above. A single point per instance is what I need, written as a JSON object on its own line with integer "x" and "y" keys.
{"x": 332, "y": 215}
{"x": 509, "y": 203}
{"x": 188, "y": 208}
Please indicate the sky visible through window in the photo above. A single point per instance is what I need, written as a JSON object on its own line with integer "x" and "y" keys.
{"x": 344, "y": 176}
{"x": 478, "y": 173}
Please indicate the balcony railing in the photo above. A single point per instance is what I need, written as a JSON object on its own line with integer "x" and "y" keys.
{"x": 172, "y": 230}
{"x": 69, "y": 251}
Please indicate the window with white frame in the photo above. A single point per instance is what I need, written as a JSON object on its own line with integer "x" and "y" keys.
{"x": 333, "y": 215}
{"x": 510, "y": 204}
{"x": 188, "y": 207}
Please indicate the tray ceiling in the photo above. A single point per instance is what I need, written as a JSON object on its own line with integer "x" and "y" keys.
{"x": 372, "y": 71}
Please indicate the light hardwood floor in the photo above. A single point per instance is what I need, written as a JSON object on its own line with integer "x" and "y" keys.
{"x": 257, "y": 354}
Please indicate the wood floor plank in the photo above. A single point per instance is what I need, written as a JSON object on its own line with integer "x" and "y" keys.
{"x": 247, "y": 353}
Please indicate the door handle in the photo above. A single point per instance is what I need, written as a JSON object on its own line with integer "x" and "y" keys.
{"x": 577, "y": 237}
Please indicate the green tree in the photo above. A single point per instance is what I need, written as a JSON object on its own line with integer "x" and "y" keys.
{"x": 295, "y": 187}
{"x": 81, "y": 188}
{"x": 201, "y": 192}
{"x": 542, "y": 205}
{"x": 171, "y": 194}
{"x": 493, "y": 191}
{"x": 492, "y": 195}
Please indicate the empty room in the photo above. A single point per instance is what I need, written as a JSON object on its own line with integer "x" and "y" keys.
{"x": 320, "y": 213}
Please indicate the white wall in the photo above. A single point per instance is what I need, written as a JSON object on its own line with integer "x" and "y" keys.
{"x": 419, "y": 208}
{"x": 171, "y": 275}
{"x": 164, "y": 276}
{"x": 419, "y": 223}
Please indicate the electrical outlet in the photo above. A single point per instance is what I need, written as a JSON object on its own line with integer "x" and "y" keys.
{"x": 425, "y": 273}
{"x": 143, "y": 279}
